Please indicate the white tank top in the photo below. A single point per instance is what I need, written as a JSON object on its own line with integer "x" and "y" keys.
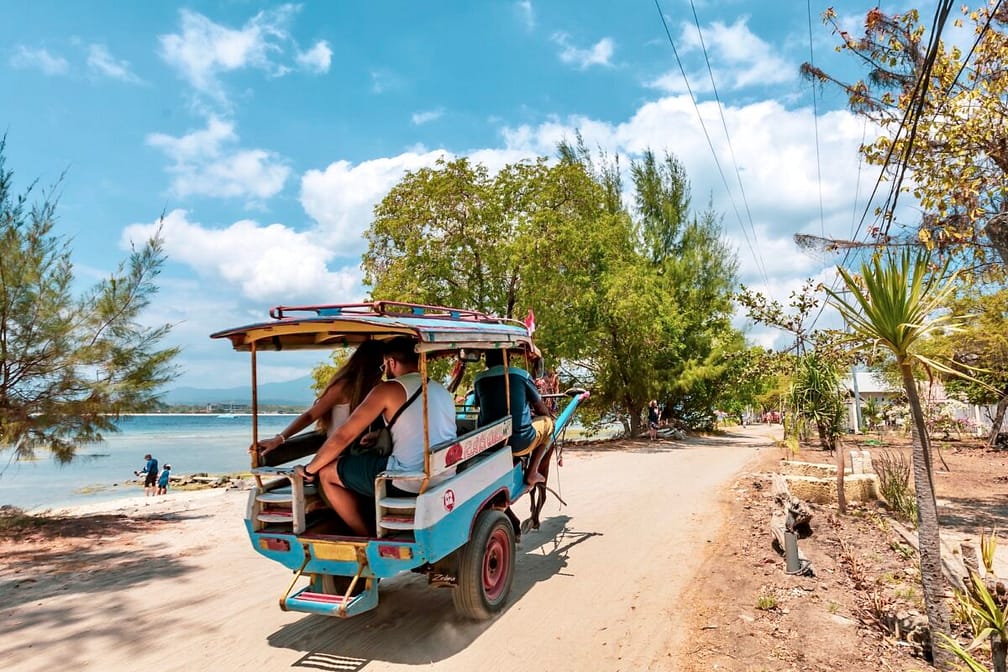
{"x": 340, "y": 413}
{"x": 408, "y": 430}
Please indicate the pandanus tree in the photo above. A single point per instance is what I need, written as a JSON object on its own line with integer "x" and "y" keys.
{"x": 896, "y": 303}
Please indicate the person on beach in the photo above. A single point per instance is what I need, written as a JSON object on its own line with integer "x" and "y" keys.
{"x": 653, "y": 418}
{"x": 344, "y": 392}
{"x": 529, "y": 433}
{"x": 162, "y": 484}
{"x": 150, "y": 472}
{"x": 347, "y": 479}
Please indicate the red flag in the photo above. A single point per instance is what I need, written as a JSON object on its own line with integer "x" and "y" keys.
{"x": 530, "y": 322}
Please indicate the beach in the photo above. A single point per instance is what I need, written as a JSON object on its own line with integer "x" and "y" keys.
{"x": 172, "y": 583}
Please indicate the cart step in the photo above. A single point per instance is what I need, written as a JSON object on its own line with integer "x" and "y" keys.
{"x": 284, "y": 494}
{"x": 332, "y": 605}
{"x": 397, "y": 522}
{"x": 398, "y": 502}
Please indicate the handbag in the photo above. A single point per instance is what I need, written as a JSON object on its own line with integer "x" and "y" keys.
{"x": 382, "y": 444}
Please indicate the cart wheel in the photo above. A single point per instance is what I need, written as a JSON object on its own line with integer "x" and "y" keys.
{"x": 485, "y": 567}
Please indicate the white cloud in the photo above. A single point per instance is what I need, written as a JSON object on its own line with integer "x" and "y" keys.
{"x": 316, "y": 59}
{"x": 206, "y": 163}
{"x": 39, "y": 59}
{"x": 420, "y": 118}
{"x": 384, "y": 80}
{"x": 598, "y": 54}
{"x": 99, "y": 60}
{"x": 203, "y": 50}
{"x": 271, "y": 263}
{"x": 526, "y": 13}
{"x": 744, "y": 60}
{"x": 341, "y": 198}
{"x": 775, "y": 150}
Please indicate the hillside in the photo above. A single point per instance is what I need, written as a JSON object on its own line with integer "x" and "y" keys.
{"x": 295, "y": 392}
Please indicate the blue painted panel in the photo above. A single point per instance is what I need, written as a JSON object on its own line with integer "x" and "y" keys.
{"x": 291, "y": 558}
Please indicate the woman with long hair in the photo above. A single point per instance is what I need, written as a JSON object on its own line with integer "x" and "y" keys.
{"x": 342, "y": 394}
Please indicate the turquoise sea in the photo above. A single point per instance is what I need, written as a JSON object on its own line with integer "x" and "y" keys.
{"x": 189, "y": 443}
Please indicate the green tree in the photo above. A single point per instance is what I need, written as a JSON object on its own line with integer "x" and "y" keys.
{"x": 818, "y": 398}
{"x": 666, "y": 306}
{"x": 635, "y": 310}
{"x": 70, "y": 365}
{"x": 982, "y": 345}
{"x": 897, "y": 304}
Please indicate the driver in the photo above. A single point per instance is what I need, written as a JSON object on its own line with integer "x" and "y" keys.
{"x": 529, "y": 433}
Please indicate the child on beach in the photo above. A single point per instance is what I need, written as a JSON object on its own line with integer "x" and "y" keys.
{"x": 163, "y": 479}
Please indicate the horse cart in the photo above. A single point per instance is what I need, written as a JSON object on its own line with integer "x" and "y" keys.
{"x": 460, "y": 530}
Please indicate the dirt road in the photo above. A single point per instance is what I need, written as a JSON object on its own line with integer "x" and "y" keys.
{"x": 597, "y": 588}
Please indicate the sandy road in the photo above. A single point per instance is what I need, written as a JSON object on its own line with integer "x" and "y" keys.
{"x": 597, "y": 588}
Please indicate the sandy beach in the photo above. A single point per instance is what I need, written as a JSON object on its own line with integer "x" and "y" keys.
{"x": 172, "y": 583}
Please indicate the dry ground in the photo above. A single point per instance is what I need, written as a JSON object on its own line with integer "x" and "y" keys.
{"x": 712, "y": 596}
{"x": 749, "y": 615}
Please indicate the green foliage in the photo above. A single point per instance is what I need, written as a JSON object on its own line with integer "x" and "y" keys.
{"x": 894, "y": 482}
{"x": 980, "y": 349}
{"x": 818, "y": 398}
{"x": 633, "y": 309}
{"x": 985, "y": 613}
{"x": 70, "y": 365}
{"x": 896, "y": 303}
{"x": 872, "y": 413}
{"x": 766, "y": 599}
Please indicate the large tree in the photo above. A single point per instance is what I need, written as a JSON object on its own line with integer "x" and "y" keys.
{"x": 635, "y": 308}
{"x": 69, "y": 365}
{"x": 981, "y": 349}
{"x": 666, "y": 309}
{"x": 533, "y": 235}
{"x": 942, "y": 113}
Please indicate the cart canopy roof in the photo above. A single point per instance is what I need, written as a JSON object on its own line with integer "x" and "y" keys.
{"x": 436, "y": 328}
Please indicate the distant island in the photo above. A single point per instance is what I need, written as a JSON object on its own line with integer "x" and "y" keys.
{"x": 273, "y": 397}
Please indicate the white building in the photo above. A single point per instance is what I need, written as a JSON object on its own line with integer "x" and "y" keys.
{"x": 867, "y": 385}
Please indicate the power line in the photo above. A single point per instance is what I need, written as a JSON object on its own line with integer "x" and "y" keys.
{"x": 731, "y": 148}
{"x": 710, "y": 143}
{"x": 815, "y": 120}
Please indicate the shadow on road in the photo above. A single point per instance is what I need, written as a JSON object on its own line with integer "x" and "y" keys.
{"x": 416, "y": 624}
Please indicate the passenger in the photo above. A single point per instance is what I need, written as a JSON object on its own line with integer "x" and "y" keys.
{"x": 528, "y": 434}
{"x": 344, "y": 392}
{"x": 344, "y": 477}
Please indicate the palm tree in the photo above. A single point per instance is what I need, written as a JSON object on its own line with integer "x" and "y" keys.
{"x": 896, "y": 303}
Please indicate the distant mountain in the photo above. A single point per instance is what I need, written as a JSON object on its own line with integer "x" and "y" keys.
{"x": 296, "y": 392}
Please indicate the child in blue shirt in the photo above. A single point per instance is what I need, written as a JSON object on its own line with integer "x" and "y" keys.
{"x": 163, "y": 480}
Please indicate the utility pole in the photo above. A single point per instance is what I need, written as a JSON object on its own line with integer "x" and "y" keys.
{"x": 857, "y": 400}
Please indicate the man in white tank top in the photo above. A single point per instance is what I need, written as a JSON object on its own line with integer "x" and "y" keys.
{"x": 345, "y": 477}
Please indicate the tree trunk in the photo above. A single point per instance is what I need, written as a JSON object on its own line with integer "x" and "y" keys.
{"x": 824, "y": 441}
{"x": 999, "y": 652}
{"x": 636, "y": 427}
{"x": 999, "y": 414}
{"x": 932, "y": 582}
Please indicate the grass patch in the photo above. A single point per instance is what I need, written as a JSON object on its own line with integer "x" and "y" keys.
{"x": 766, "y": 600}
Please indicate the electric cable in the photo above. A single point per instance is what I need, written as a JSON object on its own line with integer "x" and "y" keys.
{"x": 731, "y": 148}
{"x": 710, "y": 143}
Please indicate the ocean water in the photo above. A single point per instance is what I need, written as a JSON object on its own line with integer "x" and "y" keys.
{"x": 189, "y": 443}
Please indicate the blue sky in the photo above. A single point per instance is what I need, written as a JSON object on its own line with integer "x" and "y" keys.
{"x": 267, "y": 132}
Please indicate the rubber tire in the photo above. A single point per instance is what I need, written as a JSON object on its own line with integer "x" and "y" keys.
{"x": 486, "y": 566}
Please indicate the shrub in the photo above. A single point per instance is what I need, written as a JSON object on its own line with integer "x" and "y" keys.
{"x": 894, "y": 480}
